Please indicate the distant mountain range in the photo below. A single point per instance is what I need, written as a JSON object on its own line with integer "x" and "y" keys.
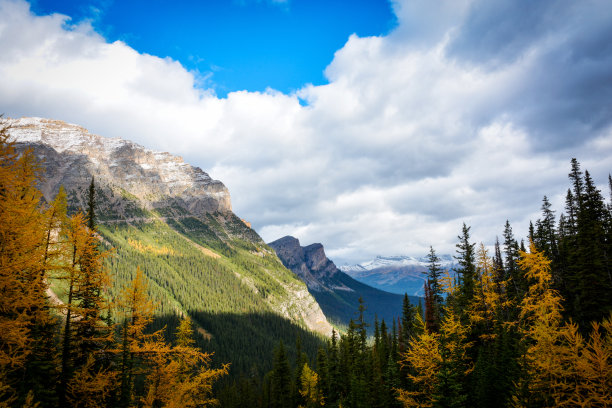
{"x": 336, "y": 292}
{"x": 396, "y": 274}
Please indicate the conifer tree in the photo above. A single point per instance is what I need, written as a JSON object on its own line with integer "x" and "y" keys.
{"x": 309, "y": 388}
{"x": 408, "y": 322}
{"x": 280, "y": 381}
{"x": 91, "y": 206}
{"x": 541, "y": 321}
{"x": 180, "y": 376}
{"x": 466, "y": 271}
{"x": 300, "y": 360}
{"x": 513, "y": 275}
{"x": 423, "y": 361}
{"x": 23, "y": 304}
{"x": 435, "y": 291}
{"x": 324, "y": 374}
{"x": 334, "y": 369}
{"x": 137, "y": 313}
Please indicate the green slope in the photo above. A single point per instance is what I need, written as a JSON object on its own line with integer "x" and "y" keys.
{"x": 218, "y": 271}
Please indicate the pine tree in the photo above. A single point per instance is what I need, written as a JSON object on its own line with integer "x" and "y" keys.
{"x": 466, "y": 271}
{"x": 322, "y": 369}
{"x": 408, "y": 328}
{"x": 280, "y": 381}
{"x": 433, "y": 280}
{"x": 91, "y": 206}
{"x": 300, "y": 360}
{"x": 513, "y": 275}
{"x": 334, "y": 369}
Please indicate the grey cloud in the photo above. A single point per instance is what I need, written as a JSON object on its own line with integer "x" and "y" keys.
{"x": 495, "y": 33}
{"x": 564, "y": 95}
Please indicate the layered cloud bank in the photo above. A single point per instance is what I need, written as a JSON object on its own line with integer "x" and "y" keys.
{"x": 469, "y": 111}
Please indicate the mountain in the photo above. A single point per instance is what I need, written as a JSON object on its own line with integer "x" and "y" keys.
{"x": 396, "y": 274}
{"x": 336, "y": 292}
{"x": 176, "y": 223}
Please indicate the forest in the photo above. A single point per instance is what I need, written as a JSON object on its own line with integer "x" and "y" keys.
{"x": 526, "y": 326}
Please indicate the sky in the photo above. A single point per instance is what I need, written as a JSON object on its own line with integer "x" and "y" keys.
{"x": 372, "y": 127}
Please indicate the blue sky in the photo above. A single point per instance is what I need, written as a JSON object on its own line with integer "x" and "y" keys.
{"x": 235, "y": 44}
{"x": 370, "y": 127}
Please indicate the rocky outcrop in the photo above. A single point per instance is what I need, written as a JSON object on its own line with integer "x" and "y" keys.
{"x": 71, "y": 156}
{"x": 309, "y": 263}
{"x": 336, "y": 292}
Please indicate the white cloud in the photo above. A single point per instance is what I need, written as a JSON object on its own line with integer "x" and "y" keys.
{"x": 406, "y": 142}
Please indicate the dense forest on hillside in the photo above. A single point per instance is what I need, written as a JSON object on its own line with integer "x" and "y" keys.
{"x": 527, "y": 326}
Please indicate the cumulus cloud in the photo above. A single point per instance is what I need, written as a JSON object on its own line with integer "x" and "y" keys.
{"x": 467, "y": 111}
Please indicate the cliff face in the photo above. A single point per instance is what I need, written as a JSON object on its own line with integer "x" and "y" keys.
{"x": 146, "y": 198}
{"x": 336, "y": 292}
{"x": 71, "y": 156}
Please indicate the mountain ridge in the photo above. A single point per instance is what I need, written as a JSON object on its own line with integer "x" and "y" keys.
{"x": 149, "y": 202}
{"x": 397, "y": 274}
{"x": 336, "y": 292}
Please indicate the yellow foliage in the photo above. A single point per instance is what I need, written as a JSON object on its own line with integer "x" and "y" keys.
{"x": 424, "y": 358}
{"x": 146, "y": 248}
{"x": 22, "y": 281}
{"x": 563, "y": 369}
{"x": 89, "y": 388}
{"x": 310, "y": 388}
{"x": 488, "y": 300}
{"x": 453, "y": 336}
{"x": 181, "y": 376}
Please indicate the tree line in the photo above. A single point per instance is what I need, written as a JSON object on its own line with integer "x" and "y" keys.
{"x": 521, "y": 327}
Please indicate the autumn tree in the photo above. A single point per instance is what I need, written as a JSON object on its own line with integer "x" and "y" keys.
{"x": 179, "y": 376}
{"x": 423, "y": 359}
{"x": 309, "y": 388}
{"x": 23, "y": 304}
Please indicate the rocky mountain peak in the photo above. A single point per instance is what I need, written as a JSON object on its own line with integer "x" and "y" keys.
{"x": 71, "y": 156}
{"x": 310, "y": 263}
{"x": 289, "y": 251}
{"x": 316, "y": 259}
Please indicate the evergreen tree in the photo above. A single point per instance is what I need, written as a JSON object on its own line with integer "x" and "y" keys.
{"x": 466, "y": 271}
{"x": 280, "y": 380}
{"x": 434, "y": 273}
{"x": 408, "y": 322}
{"x": 322, "y": 369}
{"x": 91, "y": 206}
{"x": 513, "y": 276}
{"x": 300, "y": 360}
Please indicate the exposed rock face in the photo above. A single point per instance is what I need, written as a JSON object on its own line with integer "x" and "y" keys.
{"x": 71, "y": 156}
{"x": 309, "y": 263}
{"x": 336, "y": 292}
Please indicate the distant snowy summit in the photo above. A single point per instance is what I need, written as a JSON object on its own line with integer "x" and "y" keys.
{"x": 397, "y": 274}
{"x": 396, "y": 262}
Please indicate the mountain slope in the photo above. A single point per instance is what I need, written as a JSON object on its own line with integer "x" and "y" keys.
{"x": 336, "y": 292}
{"x": 176, "y": 223}
{"x": 396, "y": 274}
